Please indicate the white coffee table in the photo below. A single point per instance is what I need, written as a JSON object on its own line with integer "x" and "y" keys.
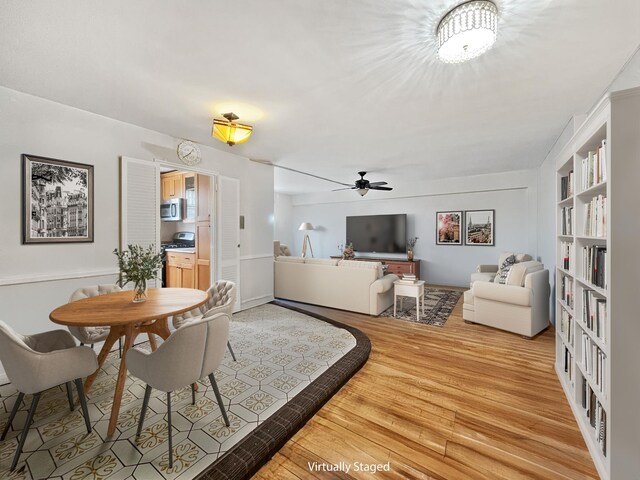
{"x": 414, "y": 290}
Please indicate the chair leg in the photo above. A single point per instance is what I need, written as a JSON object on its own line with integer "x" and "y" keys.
{"x": 70, "y": 396}
{"x": 170, "y": 432}
{"x": 212, "y": 379}
{"x": 16, "y": 406}
{"x": 83, "y": 403}
{"x": 193, "y": 394}
{"x": 82, "y": 344}
{"x": 25, "y": 430}
{"x": 233, "y": 355}
{"x": 145, "y": 404}
{"x": 120, "y": 347}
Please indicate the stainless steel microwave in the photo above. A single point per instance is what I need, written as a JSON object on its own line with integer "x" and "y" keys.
{"x": 173, "y": 210}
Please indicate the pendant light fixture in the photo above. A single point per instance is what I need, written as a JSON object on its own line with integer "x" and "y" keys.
{"x": 467, "y": 31}
{"x": 230, "y": 132}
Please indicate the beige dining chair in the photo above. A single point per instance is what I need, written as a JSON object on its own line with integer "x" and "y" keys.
{"x": 222, "y": 297}
{"x": 35, "y": 363}
{"x": 192, "y": 352}
{"x": 92, "y": 335}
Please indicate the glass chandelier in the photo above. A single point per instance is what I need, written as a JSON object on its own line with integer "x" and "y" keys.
{"x": 467, "y": 31}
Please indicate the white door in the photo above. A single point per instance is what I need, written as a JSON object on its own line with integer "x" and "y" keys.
{"x": 140, "y": 205}
{"x": 228, "y": 231}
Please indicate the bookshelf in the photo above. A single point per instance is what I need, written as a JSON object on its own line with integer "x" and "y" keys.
{"x": 597, "y": 281}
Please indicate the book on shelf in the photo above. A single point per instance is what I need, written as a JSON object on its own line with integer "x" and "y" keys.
{"x": 567, "y": 255}
{"x": 566, "y": 290}
{"x": 596, "y": 415}
{"x": 595, "y": 217}
{"x": 568, "y": 364}
{"x": 594, "y": 166}
{"x": 594, "y": 260}
{"x": 408, "y": 276}
{"x": 594, "y": 362}
{"x": 566, "y": 221}
{"x": 594, "y": 313}
{"x": 566, "y": 325}
{"x": 566, "y": 186}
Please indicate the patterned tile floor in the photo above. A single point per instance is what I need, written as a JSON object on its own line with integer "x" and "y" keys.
{"x": 279, "y": 353}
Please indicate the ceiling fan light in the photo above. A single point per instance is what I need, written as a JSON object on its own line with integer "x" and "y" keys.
{"x": 467, "y": 31}
{"x": 230, "y": 132}
{"x": 362, "y": 191}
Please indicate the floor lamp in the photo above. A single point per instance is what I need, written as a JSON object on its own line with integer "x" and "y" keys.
{"x": 306, "y": 226}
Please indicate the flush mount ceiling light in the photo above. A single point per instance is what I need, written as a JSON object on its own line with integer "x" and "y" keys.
{"x": 467, "y": 31}
{"x": 230, "y": 132}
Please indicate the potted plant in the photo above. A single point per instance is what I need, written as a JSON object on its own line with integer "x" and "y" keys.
{"x": 347, "y": 252}
{"x": 411, "y": 243}
{"x": 138, "y": 264}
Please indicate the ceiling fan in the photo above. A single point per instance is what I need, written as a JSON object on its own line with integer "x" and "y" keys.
{"x": 363, "y": 186}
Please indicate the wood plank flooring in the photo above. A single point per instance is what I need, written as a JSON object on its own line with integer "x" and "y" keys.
{"x": 457, "y": 402}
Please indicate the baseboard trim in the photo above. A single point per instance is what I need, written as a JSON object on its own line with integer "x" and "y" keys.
{"x": 255, "y": 257}
{"x": 255, "y": 301}
{"x": 54, "y": 277}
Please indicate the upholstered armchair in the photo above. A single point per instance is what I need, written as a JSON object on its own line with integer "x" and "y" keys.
{"x": 91, "y": 335}
{"x": 222, "y": 297}
{"x": 520, "y": 305}
{"x": 487, "y": 273}
{"x": 35, "y": 363}
{"x": 192, "y": 352}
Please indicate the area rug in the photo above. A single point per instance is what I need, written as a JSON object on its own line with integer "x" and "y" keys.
{"x": 438, "y": 305}
{"x": 288, "y": 365}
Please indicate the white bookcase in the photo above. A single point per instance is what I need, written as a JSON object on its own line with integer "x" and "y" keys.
{"x": 604, "y": 391}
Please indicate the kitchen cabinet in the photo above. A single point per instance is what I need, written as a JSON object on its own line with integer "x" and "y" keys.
{"x": 203, "y": 232}
{"x": 172, "y": 185}
{"x": 190, "y": 193}
{"x": 181, "y": 270}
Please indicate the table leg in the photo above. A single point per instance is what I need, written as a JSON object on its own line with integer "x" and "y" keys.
{"x": 152, "y": 342}
{"x": 131, "y": 332}
{"x": 114, "y": 334}
{"x": 418, "y": 308}
{"x": 395, "y": 300}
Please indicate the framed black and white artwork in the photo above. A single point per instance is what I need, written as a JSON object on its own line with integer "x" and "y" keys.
{"x": 57, "y": 201}
{"x": 480, "y": 228}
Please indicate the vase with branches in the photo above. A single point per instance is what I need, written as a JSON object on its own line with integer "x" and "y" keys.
{"x": 411, "y": 243}
{"x": 138, "y": 265}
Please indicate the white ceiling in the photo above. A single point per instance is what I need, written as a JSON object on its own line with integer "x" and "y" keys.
{"x": 331, "y": 86}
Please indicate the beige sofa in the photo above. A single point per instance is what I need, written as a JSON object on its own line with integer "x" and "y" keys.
{"x": 356, "y": 286}
{"x": 521, "y": 305}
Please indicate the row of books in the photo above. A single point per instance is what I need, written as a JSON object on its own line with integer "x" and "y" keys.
{"x": 568, "y": 364}
{"x": 566, "y": 186}
{"x": 595, "y": 217}
{"x": 596, "y": 415}
{"x": 594, "y": 166}
{"x": 566, "y": 290}
{"x": 566, "y": 325}
{"x": 594, "y": 361}
{"x": 594, "y": 259}
{"x": 594, "y": 313}
{"x": 567, "y": 255}
{"x": 408, "y": 278}
{"x": 566, "y": 221}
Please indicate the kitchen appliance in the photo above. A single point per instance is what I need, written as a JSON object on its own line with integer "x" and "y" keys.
{"x": 179, "y": 240}
{"x": 173, "y": 210}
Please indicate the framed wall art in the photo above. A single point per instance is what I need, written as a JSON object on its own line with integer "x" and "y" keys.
{"x": 480, "y": 228}
{"x": 449, "y": 228}
{"x": 57, "y": 201}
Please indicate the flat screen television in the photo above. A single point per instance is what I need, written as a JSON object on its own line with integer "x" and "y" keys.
{"x": 378, "y": 233}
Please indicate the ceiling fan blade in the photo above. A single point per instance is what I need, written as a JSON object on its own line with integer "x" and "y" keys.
{"x": 375, "y": 184}
{"x": 380, "y": 188}
{"x": 338, "y": 189}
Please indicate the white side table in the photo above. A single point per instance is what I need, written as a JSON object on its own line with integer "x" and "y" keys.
{"x": 415, "y": 290}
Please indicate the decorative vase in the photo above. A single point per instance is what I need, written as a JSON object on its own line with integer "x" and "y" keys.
{"x": 409, "y": 253}
{"x": 140, "y": 291}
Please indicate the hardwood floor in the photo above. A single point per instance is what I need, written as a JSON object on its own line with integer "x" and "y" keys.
{"x": 456, "y": 402}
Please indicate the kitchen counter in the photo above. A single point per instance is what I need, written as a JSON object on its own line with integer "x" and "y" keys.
{"x": 180, "y": 250}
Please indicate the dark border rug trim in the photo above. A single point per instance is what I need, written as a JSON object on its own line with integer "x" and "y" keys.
{"x": 257, "y": 448}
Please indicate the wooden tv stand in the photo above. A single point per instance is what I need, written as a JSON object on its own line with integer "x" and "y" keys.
{"x": 394, "y": 265}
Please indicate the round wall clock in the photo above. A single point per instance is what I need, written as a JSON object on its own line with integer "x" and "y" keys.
{"x": 189, "y": 153}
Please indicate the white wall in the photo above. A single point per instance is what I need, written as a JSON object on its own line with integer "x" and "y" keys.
{"x": 511, "y": 194}
{"x": 36, "y": 126}
{"x": 283, "y": 227}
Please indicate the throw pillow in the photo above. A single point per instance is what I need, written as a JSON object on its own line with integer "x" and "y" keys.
{"x": 505, "y": 268}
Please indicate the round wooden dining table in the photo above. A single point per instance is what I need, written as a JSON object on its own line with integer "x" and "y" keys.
{"x": 128, "y": 319}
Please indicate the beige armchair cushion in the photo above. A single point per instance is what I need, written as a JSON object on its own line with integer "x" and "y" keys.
{"x": 503, "y": 293}
{"x": 91, "y": 335}
{"x": 520, "y": 270}
{"x": 35, "y": 363}
{"x": 189, "y": 354}
{"x": 363, "y": 264}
